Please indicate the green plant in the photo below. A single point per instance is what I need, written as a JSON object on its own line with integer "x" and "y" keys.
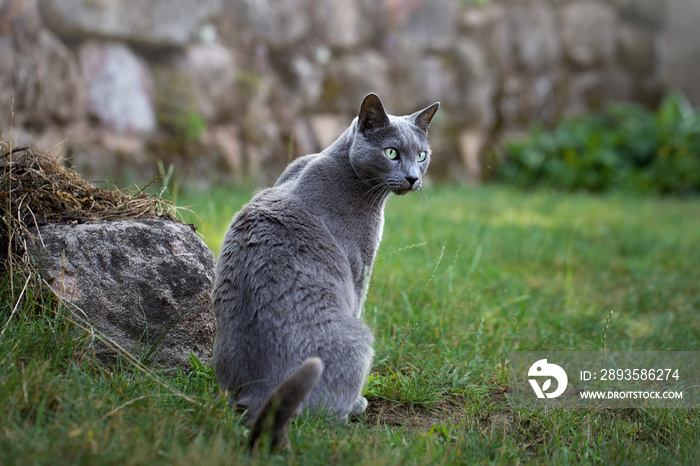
{"x": 623, "y": 147}
{"x": 176, "y": 109}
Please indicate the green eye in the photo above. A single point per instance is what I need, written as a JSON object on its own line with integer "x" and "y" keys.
{"x": 422, "y": 156}
{"x": 391, "y": 153}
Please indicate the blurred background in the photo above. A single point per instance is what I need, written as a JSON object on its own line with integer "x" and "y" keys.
{"x": 232, "y": 90}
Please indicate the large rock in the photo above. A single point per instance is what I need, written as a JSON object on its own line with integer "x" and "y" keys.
{"x": 653, "y": 12}
{"x": 212, "y": 74}
{"x": 421, "y": 24}
{"x": 351, "y": 77}
{"x": 434, "y": 77}
{"x": 344, "y": 24}
{"x": 533, "y": 34}
{"x": 156, "y": 23}
{"x": 143, "y": 284}
{"x": 637, "y": 49}
{"x": 279, "y": 24}
{"x": 585, "y": 92}
{"x": 40, "y": 81}
{"x": 487, "y": 26}
{"x": 120, "y": 86}
{"x": 525, "y": 99}
{"x": 327, "y": 128}
{"x": 299, "y": 74}
{"x": 588, "y": 32}
{"x": 680, "y": 49}
{"x": 461, "y": 80}
{"x": 476, "y": 85}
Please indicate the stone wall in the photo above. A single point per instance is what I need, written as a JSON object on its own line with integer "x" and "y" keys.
{"x": 680, "y": 49}
{"x": 230, "y": 89}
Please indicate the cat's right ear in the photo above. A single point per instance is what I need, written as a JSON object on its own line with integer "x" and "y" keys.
{"x": 372, "y": 114}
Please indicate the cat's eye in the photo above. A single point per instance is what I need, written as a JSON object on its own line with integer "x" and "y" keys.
{"x": 422, "y": 155}
{"x": 391, "y": 153}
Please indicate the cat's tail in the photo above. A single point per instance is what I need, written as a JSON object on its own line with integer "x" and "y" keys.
{"x": 275, "y": 415}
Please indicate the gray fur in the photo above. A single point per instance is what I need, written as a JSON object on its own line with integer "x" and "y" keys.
{"x": 273, "y": 418}
{"x": 291, "y": 276}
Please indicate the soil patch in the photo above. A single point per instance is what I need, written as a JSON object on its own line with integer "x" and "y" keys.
{"x": 388, "y": 412}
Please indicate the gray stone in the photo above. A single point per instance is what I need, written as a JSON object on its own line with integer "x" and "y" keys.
{"x": 120, "y": 86}
{"x": 50, "y": 140}
{"x": 351, "y": 77}
{"x": 21, "y": 18}
{"x": 346, "y": 24}
{"x": 308, "y": 78}
{"x": 585, "y": 92}
{"x": 588, "y": 32}
{"x": 487, "y": 26}
{"x": 154, "y": 23}
{"x": 264, "y": 150}
{"x": 279, "y": 24}
{"x": 526, "y": 99}
{"x": 533, "y": 35}
{"x": 327, "y": 128}
{"x": 636, "y": 47}
{"x": 435, "y": 79}
{"x": 460, "y": 80}
{"x": 301, "y": 74}
{"x": 211, "y": 71}
{"x": 680, "y": 48}
{"x": 95, "y": 150}
{"x": 40, "y": 81}
{"x": 226, "y": 142}
{"x": 142, "y": 284}
{"x": 650, "y": 12}
{"x": 618, "y": 4}
{"x": 476, "y": 86}
{"x": 622, "y": 85}
{"x": 471, "y": 143}
{"x": 422, "y": 24}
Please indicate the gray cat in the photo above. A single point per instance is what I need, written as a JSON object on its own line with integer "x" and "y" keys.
{"x": 293, "y": 271}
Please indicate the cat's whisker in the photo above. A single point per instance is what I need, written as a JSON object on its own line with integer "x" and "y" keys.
{"x": 380, "y": 195}
{"x": 377, "y": 199}
{"x": 368, "y": 181}
{"x": 372, "y": 192}
{"x": 425, "y": 196}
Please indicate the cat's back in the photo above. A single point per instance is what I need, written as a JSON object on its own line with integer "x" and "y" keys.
{"x": 274, "y": 218}
{"x": 283, "y": 216}
{"x": 274, "y": 243}
{"x": 282, "y": 283}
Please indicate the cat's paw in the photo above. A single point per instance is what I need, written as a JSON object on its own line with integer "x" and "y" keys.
{"x": 360, "y": 407}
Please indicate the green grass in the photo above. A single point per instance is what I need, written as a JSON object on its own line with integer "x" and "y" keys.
{"x": 459, "y": 281}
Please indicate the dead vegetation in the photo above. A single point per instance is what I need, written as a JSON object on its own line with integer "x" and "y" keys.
{"x": 35, "y": 189}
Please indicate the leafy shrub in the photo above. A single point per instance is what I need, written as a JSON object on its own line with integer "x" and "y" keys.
{"x": 623, "y": 147}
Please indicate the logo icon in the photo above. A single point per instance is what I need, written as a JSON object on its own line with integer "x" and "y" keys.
{"x": 542, "y": 368}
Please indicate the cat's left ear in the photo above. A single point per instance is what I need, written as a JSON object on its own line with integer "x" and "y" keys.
{"x": 422, "y": 118}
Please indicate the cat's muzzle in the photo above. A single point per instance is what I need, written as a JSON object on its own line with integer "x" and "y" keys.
{"x": 407, "y": 188}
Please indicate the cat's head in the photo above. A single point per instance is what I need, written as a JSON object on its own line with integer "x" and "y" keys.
{"x": 391, "y": 153}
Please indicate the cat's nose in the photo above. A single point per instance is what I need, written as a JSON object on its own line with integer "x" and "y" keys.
{"x": 411, "y": 179}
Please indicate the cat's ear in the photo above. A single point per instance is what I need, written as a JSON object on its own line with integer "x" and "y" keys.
{"x": 372, "y": 114}
{"x": 422, "y": 118}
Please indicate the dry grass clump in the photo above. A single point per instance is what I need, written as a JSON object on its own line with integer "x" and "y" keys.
{"x": 35, "y": 190}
